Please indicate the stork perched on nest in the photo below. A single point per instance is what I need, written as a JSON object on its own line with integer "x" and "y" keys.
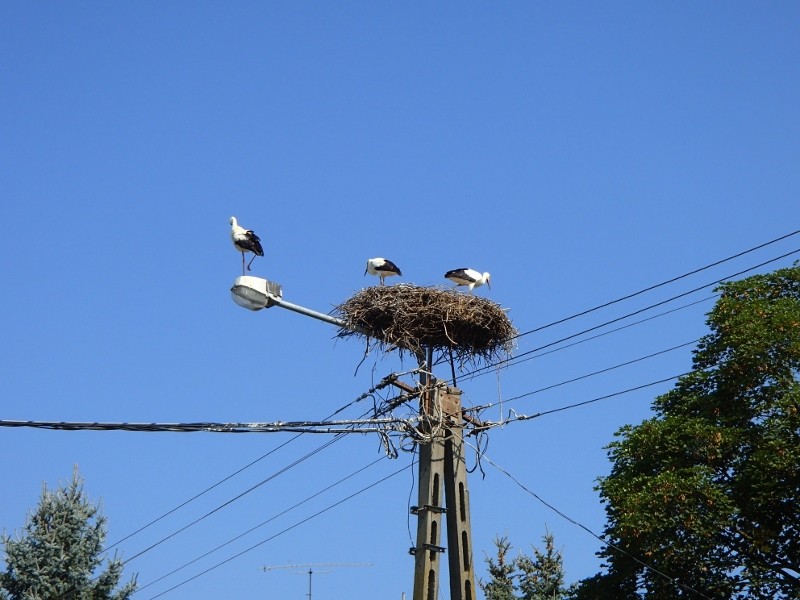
{"x": 245, "y": 240}
{"x": 468, "y": 277}
{"x": 381, "y": 267}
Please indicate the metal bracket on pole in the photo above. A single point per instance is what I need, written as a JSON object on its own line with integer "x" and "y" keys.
{"x": 429, "y": 547}
{"x": 415, "y": 510}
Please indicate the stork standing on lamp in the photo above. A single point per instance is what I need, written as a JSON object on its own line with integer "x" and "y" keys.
{"x": 245, "y": 240}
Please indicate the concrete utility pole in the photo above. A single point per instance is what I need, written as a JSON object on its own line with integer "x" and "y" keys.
{"x": 442, "y": 468}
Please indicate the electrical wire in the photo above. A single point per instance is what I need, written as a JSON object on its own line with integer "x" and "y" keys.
{"x": 528, "y": 356}
{"x": 410, "y": 494}
{"x": 503, "y": 362}
{"x": 280, "y": 514}
{"x": 203, "y": 492}
{"x": 202, "y": 427}
{"x": 354, "y": 426}
{"x": 663, "y": 283}
{"x": 543, "y": 413}
{"x": 600, "y": 538}
{"x": 601, "y": 371}
{"x": 386, "y": 381}
{"x": 237, "y": 497}
{"x": 272, "y": 537}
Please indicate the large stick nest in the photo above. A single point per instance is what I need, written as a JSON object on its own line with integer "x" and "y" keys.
{"x": 409, "y": 317}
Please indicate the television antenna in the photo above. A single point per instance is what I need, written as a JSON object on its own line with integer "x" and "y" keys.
{"x": 311, "y": 571}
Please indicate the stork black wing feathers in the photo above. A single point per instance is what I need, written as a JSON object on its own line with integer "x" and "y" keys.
{"x": 251, "y": 243}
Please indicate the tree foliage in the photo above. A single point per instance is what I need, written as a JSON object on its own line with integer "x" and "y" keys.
{"x": 527, "y": 577}
{"x": 60, "y": 550}
{"x": 707, "y": 491}
{"x": 501, "y": 571}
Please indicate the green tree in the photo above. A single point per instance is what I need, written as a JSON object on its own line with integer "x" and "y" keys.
{"x": 60, "y": 550}
{"x": 707, "y": 491}
{"x": 536, "y": 577}
{"x": 501, "y": 571}
{"x": 542, "y": 575}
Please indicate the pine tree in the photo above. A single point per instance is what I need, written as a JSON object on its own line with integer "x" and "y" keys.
{"x": 536, "y": 577}
{"x": 542, "y": 575}
{"x": 59, "y": 551}
{"x": 501, "y": 585}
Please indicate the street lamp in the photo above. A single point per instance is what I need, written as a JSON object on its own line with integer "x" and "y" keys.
{"x": 255, "y": 293}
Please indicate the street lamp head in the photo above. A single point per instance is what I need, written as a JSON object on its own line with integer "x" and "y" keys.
{"x": 255, "y": 293}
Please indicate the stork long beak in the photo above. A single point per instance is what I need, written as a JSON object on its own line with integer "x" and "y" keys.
{"x": 488, "y": 284}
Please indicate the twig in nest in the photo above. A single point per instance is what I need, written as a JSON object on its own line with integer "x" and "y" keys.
{"x": 413, "y": 318}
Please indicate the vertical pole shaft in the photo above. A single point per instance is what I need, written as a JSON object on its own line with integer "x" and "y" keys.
{"x": 459, "y": 531}
{"x": 429, "y": 515}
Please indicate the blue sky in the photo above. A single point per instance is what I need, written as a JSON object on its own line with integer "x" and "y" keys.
{"x": 578, "y": 151}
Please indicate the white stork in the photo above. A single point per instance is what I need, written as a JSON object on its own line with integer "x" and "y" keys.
{"x": 381, "y": 267}
{"x": 468, "y": 277}
{"x": 244, "y": 240}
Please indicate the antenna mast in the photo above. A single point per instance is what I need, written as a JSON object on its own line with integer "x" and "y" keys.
{"x": 310, "y": 567}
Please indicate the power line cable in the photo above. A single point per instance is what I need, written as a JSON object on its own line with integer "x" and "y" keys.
{"x": 623, "y": 317}
{"x": 601, "y": 371}
{"x": 237, "y": 497}
{"x": 360, "y": 426}
{"x": 336, "y": 438}
{"x": 661, "y": 284}
{"x": 519, "y": 359}
{"x": 241, "y": 535}
{"x": 203, "y": 492}
{"x": 590, "y": 532}
{"x": 574, "y": 405}
{"x": 383, "y": 383}
{"x": 272, "y": 537}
